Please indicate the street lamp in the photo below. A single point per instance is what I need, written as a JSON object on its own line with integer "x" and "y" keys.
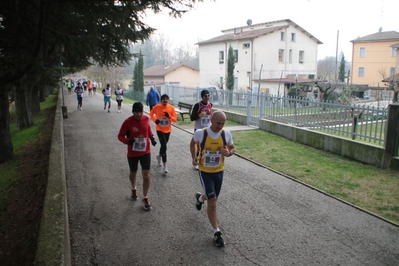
{"x": 60, "y": 49}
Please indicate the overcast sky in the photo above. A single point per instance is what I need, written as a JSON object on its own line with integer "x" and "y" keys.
{"x": 321, "y": 18}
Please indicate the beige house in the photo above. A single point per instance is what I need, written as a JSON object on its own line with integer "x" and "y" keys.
{"x": 273, "y": 56}
{"x": 179, "y": 74}
{"x": 374, "y": 58}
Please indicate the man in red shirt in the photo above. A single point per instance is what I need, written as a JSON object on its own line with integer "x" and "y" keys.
{"x": 136, "y": 133}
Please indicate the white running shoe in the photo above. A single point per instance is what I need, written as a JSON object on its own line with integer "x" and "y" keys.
{"x": 165, "y": 169}
{"x": 195, "y": 167}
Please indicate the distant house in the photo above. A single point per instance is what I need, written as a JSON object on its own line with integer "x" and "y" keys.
{"x": 374, "y": 58}
{"x": 272, "y": 56}
{"x": 179, "y": 74}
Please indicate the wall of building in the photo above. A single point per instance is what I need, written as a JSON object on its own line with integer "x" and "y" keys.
{"x": 378, "y": 58}
{"x": 185, "y": 75}
{"x": 262, "y": 50}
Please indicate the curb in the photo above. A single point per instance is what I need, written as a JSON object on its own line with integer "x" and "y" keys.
{"x": 53, "y": 247}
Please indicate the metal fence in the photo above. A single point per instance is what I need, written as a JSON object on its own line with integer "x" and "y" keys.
{"x": 361, "y": 121}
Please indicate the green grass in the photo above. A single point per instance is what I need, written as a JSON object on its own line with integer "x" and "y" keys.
{"x": 366, "y": 186}
{"x": 22, "y": 141}
{"x": 371, "y": 129}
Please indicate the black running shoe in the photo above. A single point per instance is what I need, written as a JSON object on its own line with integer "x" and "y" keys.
{"x": 146, "y": 204}
{"x": 218, "y": 240}
{"x": 198, "y": 204}
{"x": 134, "y": 194}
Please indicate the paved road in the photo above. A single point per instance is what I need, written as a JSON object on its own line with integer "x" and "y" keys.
{"x": 266, "y": 218}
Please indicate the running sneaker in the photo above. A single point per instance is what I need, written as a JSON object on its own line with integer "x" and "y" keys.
{"x": 134, "y": 194}
{"x": 159, "y": 160}
{"x": 104, "y": 108}
{"x": 109, "y": 111}
{"x": 198, "y": 204}
{"x": 146, "y": 204}
{"x": 218, "y": 240}
{"x": 195, "y": 167}
{"x": 165, "y": 169}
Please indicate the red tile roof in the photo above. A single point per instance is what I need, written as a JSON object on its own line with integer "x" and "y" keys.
{"x": 250, "y": 34}
{"x": 162, "y": 70}
{"x": 379, "y": 37}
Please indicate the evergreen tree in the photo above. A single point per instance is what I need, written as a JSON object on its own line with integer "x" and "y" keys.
{"x": 341, "y": 73}
{"x": 230, "y": 69}
{"x": 138, "y": 78}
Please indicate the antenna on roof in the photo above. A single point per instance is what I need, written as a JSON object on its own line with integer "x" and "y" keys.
{"x": 249, "y": 22}
{"x": 380, "y": 29}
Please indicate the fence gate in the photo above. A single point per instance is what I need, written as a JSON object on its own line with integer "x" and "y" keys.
{"x": 252, "y": 113}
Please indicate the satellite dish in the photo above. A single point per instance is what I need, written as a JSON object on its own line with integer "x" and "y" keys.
{"x": 249, "y": 22}
{"x": 380, "y": 29}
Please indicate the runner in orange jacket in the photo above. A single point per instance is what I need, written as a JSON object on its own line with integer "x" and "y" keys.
{"x": 163, "y": 115}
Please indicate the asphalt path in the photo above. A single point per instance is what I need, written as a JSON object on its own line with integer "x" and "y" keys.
{"x": 266, "y": 218}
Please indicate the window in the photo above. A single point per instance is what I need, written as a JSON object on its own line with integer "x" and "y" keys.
{"x": 280, "y": 55}
{"x": 293, "y": 38}
{"x": 282, "y": 36}
{"x": 221, "y": 57}
{"x": 392, "y": 71}
{"x": 362, "y": 52}
{"x": 301, "y": 57}
{"x": 360, "y": 72}
{"x": 236, "y": 56}
{"x": 393, "y": 52}
{"x": 246, "y": 45}
{"x": 290, "y": 56}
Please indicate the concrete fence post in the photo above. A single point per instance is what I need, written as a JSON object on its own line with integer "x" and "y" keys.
{"x": 392, "y": 137}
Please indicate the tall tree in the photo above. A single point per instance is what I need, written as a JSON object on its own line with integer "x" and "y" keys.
{"x": 341, "y": 72}
{"x": 230, "y": 73}
{"x": 138, "y": 78}
{"x": 230, "y": 69}
{"x": 99, "y": 31}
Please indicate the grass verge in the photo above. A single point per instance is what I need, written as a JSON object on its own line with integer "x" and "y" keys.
{"x": 23, "y": 185}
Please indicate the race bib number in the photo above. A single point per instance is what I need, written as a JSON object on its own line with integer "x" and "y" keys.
{"x": 206, "y": 121}
{"x": 212, "y": 158}
{"x": 139, "y": 144}
{"x": 164, "y": 122}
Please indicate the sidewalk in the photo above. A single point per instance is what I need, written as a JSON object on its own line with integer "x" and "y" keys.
{"x": 266, "y": 218}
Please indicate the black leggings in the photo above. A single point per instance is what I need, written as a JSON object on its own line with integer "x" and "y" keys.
{"x": 163, "y": 140}
{"x": 80, "y": 101}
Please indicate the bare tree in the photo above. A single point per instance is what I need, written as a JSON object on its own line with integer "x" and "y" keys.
{"x": 326, "y": 68}
{"x": 159, "y": 50}
{"x": 218, "y": 83}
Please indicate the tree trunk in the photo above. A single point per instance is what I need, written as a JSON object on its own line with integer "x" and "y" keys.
{"x": 35, "y": 100}
{"x": 23, "y": 104}
{"x": 7, "y": 150}
{"x": 43, "y": 93}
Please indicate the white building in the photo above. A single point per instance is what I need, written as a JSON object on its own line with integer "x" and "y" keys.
{"x": 274, "y": 55}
